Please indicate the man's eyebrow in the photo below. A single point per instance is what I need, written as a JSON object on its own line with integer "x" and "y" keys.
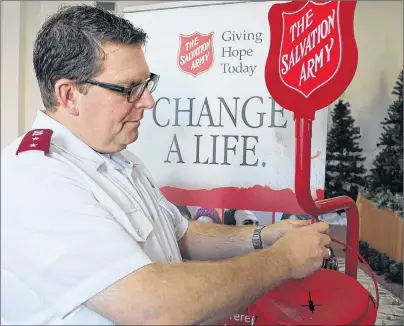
{"x": 132, "y": 81}
{"x": 129, "y": 81}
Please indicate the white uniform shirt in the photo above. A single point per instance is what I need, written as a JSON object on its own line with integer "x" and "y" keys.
{"x": 73, "y": 223}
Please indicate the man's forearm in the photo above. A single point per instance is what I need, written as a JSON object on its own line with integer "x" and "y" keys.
{"x": 193, "y": 293}
{"x": 207, "y": 241}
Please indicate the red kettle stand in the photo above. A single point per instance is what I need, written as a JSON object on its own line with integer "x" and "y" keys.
{"x": 337, "y": 298}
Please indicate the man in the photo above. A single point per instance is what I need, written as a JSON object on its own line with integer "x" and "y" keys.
{"x": 286, "y": 216}
{"x": 87, "y": 237}
{"x": 240, "y": 217}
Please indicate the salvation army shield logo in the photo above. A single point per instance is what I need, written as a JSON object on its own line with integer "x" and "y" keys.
{"x": 310, "y": 51}
{"x": 195, "y": 54}
{"x": 313, "y": 54}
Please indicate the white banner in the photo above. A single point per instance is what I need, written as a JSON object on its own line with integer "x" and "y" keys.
{"x": 216, "y": 138}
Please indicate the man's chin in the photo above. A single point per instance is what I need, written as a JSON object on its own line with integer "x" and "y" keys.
{"x": 131, "y": 138}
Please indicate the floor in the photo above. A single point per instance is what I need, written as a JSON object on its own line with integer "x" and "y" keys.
{"x": 339, "y": 233}
{"x": 391, "y": 307}
{"x": 391, "y": 295}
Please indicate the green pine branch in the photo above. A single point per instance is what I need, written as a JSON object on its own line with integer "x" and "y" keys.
{"x": 387, "y": 173}
{"x": 344, "y": 163}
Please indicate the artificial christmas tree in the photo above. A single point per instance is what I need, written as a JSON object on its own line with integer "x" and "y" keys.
{"x": 387, "y": 175}
{"x": 344, "y": 172}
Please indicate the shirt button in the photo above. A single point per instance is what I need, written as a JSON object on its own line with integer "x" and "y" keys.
{"x": 127, "y": 162}
{"x": 170, "y": 258}
{"x": 140, "y": 233}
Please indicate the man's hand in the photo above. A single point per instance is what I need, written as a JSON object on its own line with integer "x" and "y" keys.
{"x": 271, "y": 233}
{"x": 304, "y": 249}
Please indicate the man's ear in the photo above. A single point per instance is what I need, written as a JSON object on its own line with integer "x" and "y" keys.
{"x": 65, "y": 92}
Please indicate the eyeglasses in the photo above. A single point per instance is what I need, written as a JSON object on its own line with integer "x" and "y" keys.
{"x": 133, "y": 92}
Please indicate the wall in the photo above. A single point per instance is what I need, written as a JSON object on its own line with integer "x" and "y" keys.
{"x": 121, "y": 5}
{"x": 20, "y": 22}
{"x": 11, "y": 106}
{"x": 378, "y": 28}
{"x": 379, "y": 35}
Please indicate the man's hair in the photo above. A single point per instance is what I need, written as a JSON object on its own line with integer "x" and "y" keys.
{"x": 69, "y": 46}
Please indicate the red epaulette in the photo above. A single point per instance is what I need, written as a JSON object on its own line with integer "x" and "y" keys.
{"x": 36, "y": 140}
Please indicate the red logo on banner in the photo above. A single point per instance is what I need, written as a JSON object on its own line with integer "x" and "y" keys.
{"x": 195, "y": 55}
{"x": 313, "y": 54}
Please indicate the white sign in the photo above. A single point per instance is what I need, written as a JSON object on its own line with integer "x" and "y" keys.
{"x": 216, "y": 138}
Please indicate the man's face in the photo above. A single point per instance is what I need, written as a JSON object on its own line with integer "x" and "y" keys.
{"x": 243, "y": 217}
{"x": 106, "y": 121}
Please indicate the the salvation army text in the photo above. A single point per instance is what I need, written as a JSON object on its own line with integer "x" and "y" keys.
{"x": 232, "y": 113}
{"x": 309, "y": 46}
{"x": 198, "y": 52}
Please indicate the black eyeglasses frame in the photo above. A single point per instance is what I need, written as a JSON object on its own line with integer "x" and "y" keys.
{"x": 129, "y": 91}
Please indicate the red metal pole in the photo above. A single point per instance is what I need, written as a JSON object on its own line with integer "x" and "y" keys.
{"x": 303, "y": 194}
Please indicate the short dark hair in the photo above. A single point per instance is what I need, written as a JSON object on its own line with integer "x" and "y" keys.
{"x": 69, "y": 45}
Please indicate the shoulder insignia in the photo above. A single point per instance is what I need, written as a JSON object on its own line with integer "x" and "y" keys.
{"x": 36, "y": 140}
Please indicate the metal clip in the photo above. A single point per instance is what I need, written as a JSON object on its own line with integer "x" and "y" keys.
{"x": 331, "y": 262}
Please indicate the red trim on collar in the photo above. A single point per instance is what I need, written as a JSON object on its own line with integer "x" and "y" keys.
{"x": 36, "y": 140}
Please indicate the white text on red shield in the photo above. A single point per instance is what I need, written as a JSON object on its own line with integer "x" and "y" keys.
{"x": 305, "y": 47}
{"x": 196, "y": 50}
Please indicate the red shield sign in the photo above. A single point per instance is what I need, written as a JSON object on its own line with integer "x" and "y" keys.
{"x": 313, "y": 54}
{"x": 298, "y": 69}
{"x": 195, "y": 54}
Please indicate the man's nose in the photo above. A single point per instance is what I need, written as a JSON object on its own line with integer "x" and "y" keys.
{"x": 146, "y": 102}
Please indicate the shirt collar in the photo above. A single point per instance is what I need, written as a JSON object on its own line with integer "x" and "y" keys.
{"x": 62, "y": 137}
{"x": 116, "y": 160}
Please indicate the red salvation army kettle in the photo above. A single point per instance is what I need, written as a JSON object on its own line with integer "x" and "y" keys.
{"x": 327, "y": 297}
{"x": 311, "y": 61}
